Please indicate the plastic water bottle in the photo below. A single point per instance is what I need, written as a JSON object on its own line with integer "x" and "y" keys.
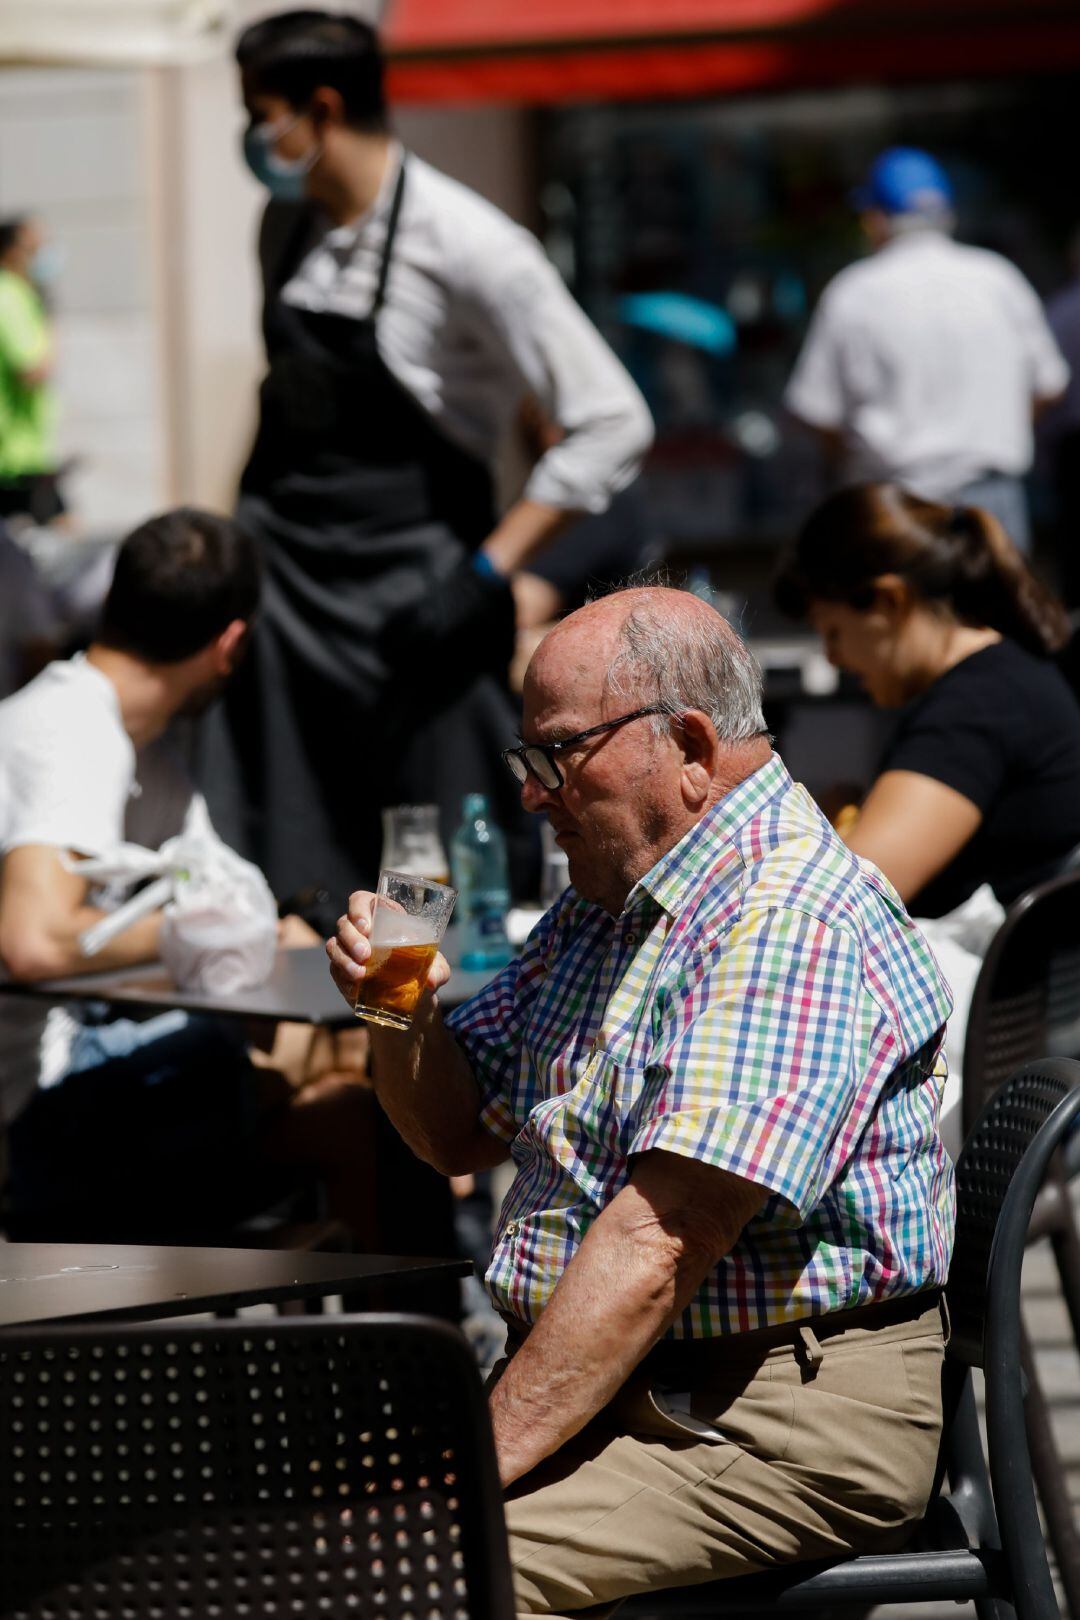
{"x": 478, "y": 863}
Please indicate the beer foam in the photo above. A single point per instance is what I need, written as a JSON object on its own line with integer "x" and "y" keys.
{"x": 393, "y": 928}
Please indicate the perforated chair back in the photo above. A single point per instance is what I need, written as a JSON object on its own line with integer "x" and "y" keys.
{"x": 1026, "y": 1001}
{"x": 244, "y": 1470}
{"x": 1009, "y": 1123}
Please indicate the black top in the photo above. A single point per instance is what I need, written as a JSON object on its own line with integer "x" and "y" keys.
{"x": 1002, "y": 728}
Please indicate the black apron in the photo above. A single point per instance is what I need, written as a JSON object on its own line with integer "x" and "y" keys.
{"x": 374, "y": 671}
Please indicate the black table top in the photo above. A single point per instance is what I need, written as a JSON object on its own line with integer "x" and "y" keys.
{"x": 299, "y": 990}
{"x": 55, "y": 1282}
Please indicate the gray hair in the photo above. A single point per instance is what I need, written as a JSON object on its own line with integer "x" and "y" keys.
{"x": 693, "y": 664}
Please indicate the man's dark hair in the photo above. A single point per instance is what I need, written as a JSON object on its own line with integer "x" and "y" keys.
{"x": 297, "y": 52}
{"x": 10, "y": 231}
{"x": 180, "y": 580}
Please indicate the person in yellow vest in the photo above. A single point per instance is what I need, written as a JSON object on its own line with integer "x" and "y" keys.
{"x": 27, "y": 402}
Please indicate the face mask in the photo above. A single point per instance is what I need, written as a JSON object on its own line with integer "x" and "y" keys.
{"x": 282, "y": 177}
{"x": 46, "y": 265}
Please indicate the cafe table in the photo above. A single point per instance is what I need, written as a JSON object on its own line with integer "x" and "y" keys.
{"x": 415, "y": 1207}
{"x": 299, "y": 990}
{"x": 65, "y": 1282}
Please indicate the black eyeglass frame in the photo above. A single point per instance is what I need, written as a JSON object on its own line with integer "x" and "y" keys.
{"x": 520, "y": 766}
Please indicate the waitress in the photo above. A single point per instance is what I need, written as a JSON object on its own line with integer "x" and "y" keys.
{"x": 405, "y": 318}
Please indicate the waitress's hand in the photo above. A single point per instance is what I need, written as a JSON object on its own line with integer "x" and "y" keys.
{"x": 350, "y": 949}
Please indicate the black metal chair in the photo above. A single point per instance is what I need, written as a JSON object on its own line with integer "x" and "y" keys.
{"x": 248, "y": 1471}
{"x": 1026, "y": 1002}
{"x": 966, "y": 1548}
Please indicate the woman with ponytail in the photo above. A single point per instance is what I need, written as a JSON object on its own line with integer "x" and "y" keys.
{"x": 935, "y": 611}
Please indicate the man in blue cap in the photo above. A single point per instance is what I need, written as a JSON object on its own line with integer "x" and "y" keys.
{"x": 926, "y": 363}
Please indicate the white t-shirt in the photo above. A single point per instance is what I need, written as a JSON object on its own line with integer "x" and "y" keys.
{"x": 475, "y": 317}
{"x": 70, "y": 777}
{"x": 928, "y": 357}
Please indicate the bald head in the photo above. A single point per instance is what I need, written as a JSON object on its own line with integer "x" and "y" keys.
{"x": 652, "y": 644}
{"x": 636, "y": 782}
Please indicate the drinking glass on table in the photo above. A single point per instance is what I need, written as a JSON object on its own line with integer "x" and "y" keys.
{"x": 411, "y": 841}
{"x": 407, "y": 925}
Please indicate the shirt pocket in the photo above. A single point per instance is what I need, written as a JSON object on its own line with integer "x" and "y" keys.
{"x": 580, "y": 1129}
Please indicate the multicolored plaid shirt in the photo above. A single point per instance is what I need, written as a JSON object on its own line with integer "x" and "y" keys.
{"x": 764, "y": 1003}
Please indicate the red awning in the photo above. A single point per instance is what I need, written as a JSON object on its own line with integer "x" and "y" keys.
{"x": 581, "y": 50}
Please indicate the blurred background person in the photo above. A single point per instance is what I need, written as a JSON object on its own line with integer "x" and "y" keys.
{"x": 926, "y": 363}
{"x": 28, "y": 474}
{"x": 405, "y": 318}
{"x": 935, "y": 611}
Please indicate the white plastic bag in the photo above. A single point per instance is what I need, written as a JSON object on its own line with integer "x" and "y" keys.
{"x": 219, "y": 923}
{"x": 959, "y": 941}
{"x": 219, "y": 931}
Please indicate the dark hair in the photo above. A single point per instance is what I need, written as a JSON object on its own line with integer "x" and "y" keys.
{"x": 10, "y": 231}
{"x": 180, "y": 579}
{"x": 958, "y": 556}
{"x": 297, "y": 52}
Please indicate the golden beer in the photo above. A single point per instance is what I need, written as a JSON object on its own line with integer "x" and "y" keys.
{"x": 396, "y": 971}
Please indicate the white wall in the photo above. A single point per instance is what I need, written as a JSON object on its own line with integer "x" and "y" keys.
{"x": 70, "y": 145}
{"x": 202, "y": 223}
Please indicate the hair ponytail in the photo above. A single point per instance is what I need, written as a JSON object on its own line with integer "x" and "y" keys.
{"x": 958, "y": 556}
{"x": 995, "y": 586}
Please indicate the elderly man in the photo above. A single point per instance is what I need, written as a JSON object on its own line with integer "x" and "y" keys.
{"x": 716, "y": 1068}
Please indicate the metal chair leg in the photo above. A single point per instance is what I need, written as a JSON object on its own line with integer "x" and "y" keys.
{"x": 1065, "y": 1241}
{"x": 1051, "y": 1483}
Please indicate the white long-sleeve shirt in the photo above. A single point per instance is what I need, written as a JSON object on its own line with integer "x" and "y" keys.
{"x": 928, "y": 357}
{"x": 475, "y": 317}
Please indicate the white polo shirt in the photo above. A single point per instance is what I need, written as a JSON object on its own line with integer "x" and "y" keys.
{"x": 927, "y": 358}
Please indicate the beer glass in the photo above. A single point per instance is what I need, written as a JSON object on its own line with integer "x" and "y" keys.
{"x": 411, "y": 841}
{"x": 409, "y": 920}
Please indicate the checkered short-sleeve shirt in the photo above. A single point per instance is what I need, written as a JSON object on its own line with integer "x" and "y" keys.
{"x": 763, "y": 1003}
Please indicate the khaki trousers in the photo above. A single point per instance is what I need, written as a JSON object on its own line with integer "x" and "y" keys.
{"x": 821, "y": 1450}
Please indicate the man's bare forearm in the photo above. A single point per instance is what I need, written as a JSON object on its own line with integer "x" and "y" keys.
{"x": 52, "y": 952}
{"x": 424, "y": 1083}
{"x": 638, "y": 1268}
{"x": 613, "y": 1302}
{"x": 524, "y": 532}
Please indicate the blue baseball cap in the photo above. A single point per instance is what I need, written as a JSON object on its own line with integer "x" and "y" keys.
{"x": 905, "y": 180}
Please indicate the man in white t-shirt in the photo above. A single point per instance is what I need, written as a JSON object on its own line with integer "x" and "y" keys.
{"x": 165, "y": 1128}
{"x": 925, "y": 364}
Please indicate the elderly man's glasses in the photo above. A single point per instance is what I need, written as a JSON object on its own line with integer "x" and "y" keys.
{"x": 538, "y": 759}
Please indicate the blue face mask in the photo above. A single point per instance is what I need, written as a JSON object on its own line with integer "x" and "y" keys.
{"x": 47, "y": 265}
{"x": 283, "y": 177}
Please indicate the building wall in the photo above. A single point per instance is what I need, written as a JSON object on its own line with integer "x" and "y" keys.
{"x": 70, "y": 150}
